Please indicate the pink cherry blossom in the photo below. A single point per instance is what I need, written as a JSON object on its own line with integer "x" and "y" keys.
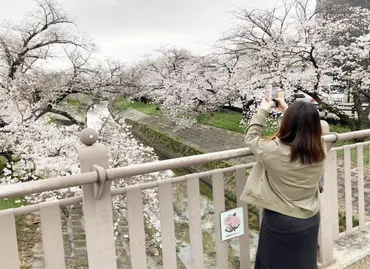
{"x": 235, "y": 221}
{"x": 227, "y": 220}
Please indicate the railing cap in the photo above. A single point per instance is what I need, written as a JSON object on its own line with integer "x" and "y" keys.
{"x": 325, "y": 127}
{"x": 88, "y": 136}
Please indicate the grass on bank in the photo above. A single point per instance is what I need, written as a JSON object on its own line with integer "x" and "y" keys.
{"x": 229, "y": 120}
{"x": 123, "y": 103}
{"x": 76, "y": 104}
{"x": 11, "y": 203}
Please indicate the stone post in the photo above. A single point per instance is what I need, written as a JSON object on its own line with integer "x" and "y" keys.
{"x": 97, "y": 205}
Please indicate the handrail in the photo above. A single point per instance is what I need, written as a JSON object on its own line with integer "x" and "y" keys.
{"x": 351, "y": 146}
{"x": 145, "y": 168}
{"x": 143, "y": 186}
{"x": 24, "y": 188}
{"x": 20, "y": 189}
{"x": 346, "y": 136}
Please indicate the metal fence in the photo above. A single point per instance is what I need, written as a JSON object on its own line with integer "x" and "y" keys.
{"x": 96, "y": 179}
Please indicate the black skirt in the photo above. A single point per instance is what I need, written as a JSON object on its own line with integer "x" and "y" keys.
{"x": 286, "y": 242}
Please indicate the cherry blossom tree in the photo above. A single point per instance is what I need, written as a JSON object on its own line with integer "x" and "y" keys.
{"x": 29, "y": 92}
{"x": 42, "y": 31}
{"x": 258, "y": 40}
{"x": 297, "y": 46}
{"x": 25, "y": 48}
{"x": 344, "y": 54}
{"x": 183, "y": 84}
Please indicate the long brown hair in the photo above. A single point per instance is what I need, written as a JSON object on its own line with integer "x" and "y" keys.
{"x": 301, "y": 129}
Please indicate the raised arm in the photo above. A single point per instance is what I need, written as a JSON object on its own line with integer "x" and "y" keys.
{"x": 254, "y": 130}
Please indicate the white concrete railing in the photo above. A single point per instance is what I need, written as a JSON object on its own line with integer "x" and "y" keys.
{"x": 96, "y": 180}
{"x": 348, "y": 164}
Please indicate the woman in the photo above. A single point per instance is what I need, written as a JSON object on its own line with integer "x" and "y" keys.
{"x": 284, "y": 182}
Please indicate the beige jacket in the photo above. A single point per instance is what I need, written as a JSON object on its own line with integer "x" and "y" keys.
{"x": 275, "y": 183}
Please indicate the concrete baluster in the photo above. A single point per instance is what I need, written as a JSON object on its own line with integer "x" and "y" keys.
{"x": 325, "y": 244}
{"x": 97, "y": 206}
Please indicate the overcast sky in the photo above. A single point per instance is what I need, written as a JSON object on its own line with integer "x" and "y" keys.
{"x": 129, "y": 29}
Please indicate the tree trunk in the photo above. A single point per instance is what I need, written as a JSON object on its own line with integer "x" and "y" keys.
{"x": 362, "y": 121}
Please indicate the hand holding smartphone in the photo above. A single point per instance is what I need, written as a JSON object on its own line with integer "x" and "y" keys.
{"x": 272, "y": 94}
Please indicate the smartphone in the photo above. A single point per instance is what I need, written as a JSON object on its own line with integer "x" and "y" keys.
{"x": 268, "y": 93}
{"x": 274, "y": 96}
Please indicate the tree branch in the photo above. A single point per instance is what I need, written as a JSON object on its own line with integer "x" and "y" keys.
{"x": 49, "y": 108}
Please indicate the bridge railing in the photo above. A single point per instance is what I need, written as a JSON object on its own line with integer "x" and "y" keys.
{"x": 96, "y": 179}
{"x": 350, "y": 160}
